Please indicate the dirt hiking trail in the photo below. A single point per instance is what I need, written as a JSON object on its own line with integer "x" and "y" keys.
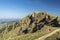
{"x": 47, "y": 35}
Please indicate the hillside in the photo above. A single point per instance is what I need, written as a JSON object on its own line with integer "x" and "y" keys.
{"x": 31, "y": 27}
{"x": 55, "y": 36}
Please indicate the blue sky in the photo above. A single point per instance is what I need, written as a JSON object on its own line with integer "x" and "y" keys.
{"x": 21, "y": 8}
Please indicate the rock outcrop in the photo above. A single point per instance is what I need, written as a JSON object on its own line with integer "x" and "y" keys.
{"x": 36, "y": 21}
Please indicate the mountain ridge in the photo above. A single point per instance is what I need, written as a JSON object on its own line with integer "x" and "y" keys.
{"x": 32, "y": 24}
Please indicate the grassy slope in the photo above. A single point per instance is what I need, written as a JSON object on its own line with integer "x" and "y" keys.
{"x": 56, "y": 36}
{"x": 30, "y": 36}
{"x": 35, "y": 35}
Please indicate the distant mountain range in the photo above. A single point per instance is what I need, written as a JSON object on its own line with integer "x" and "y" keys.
{"x": 6, "y": 20}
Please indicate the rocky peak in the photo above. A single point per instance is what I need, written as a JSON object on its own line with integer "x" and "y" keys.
{"x": 37, "y": 20}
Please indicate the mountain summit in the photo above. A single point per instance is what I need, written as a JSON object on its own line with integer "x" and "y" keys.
{"x": 37, "y": 20}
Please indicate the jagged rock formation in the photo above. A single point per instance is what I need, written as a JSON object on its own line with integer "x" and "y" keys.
{"x": 36, "y": 21}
